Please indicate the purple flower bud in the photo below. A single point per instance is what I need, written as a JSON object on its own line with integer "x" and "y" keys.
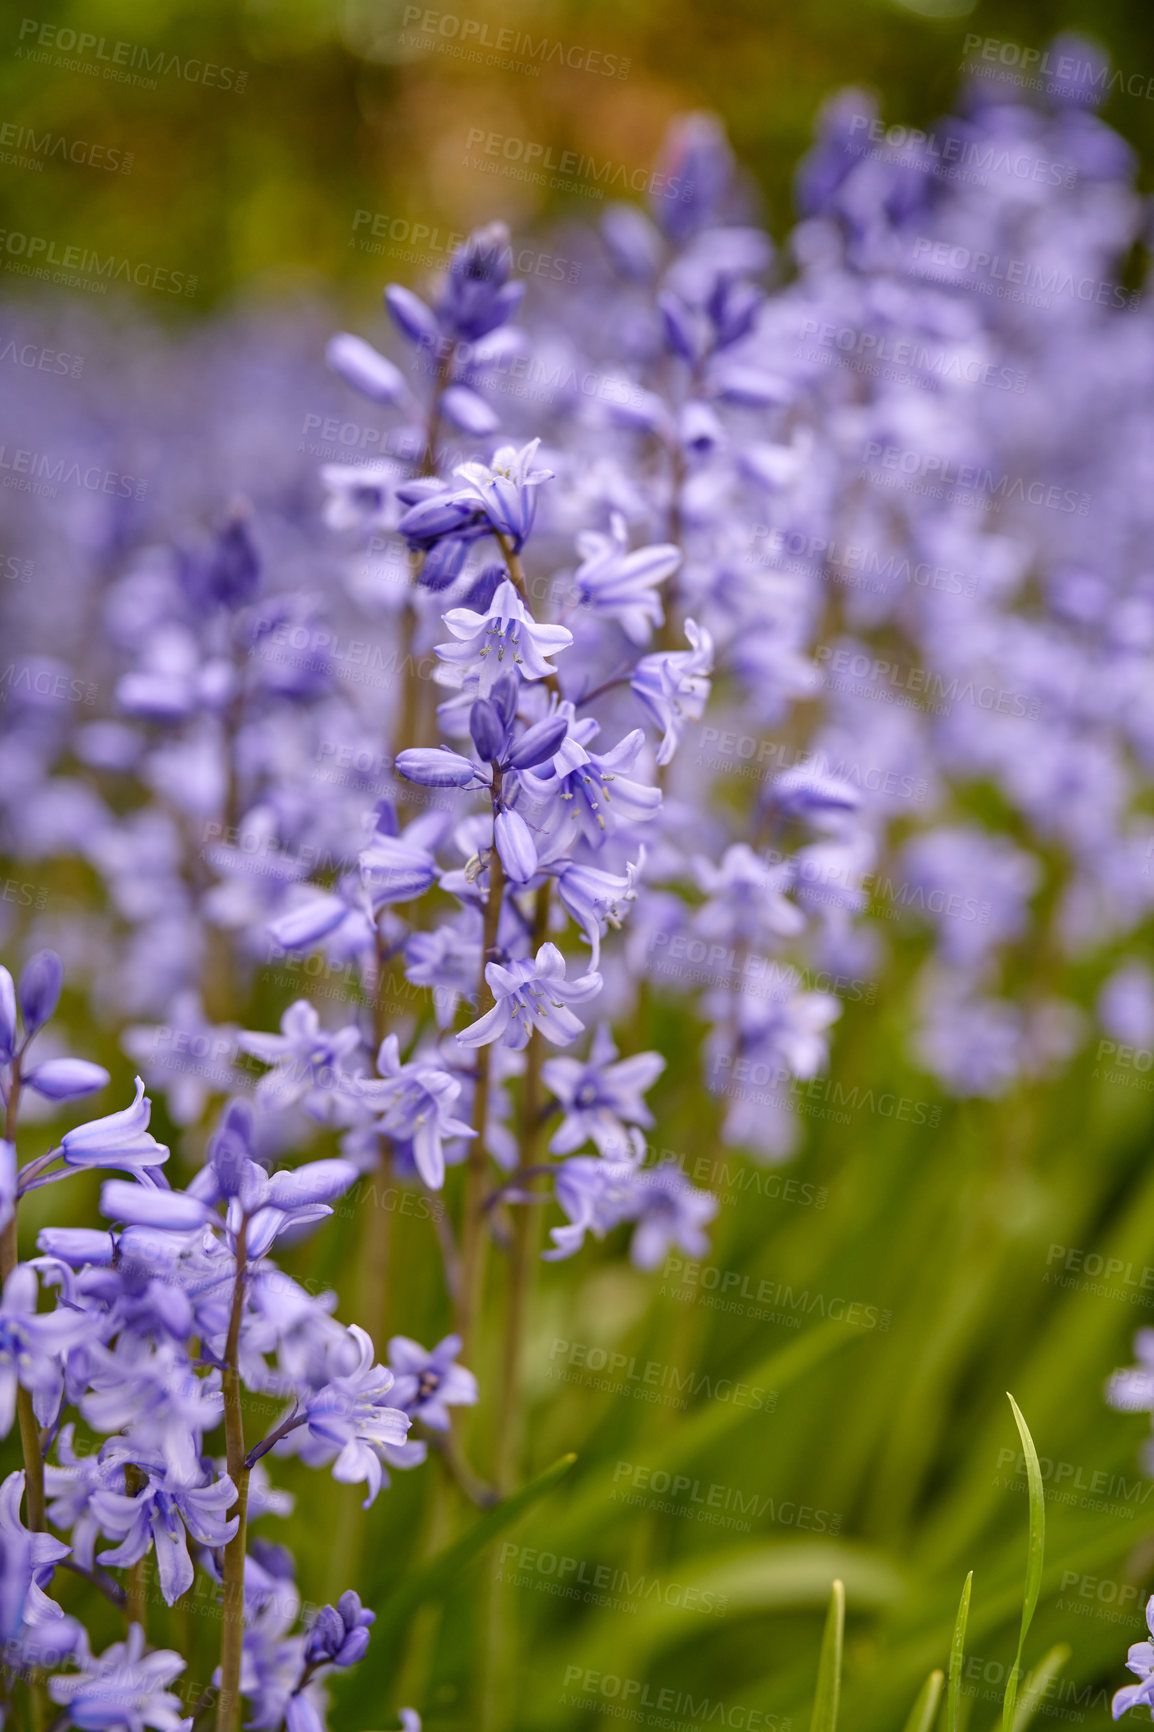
{"x": 468, "y": 412}
{"x": 316, "y": 1182}
{"x": 7, "y": 1016}
{"x": 359, "y": 363}
{"x": 505, "y": 695}
{"x": 539, "y": 743}
{"x": 232, "y": 575}
{"x": 150, "y": 1206}
{"x": 435, "y": 767}
{"x": 39, "y": 990}
{"x": 230, "y": 1151}
{"x": 386, "y": 815}
{"x": 444, "y": 563}
{"x": 487, "y": 729}
{"x": 413, "y": 318}
{"x": 66, "y": 1079}
{"x": 681, "y": 332}
{"x": 515, "y": 845}
{"x": 433, "y": 517}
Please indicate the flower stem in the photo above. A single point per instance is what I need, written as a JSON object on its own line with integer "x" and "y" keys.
{"x": 232, "y": 1631}
{"x": 9, "y": 1257}
{"x": 526, "y": 1242}
{"x": 476, "y": 1169}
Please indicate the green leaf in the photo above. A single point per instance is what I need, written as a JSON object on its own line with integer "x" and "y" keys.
{"x": 443, "y": 1571}
{"x": 829, "y": 1666}
{"x": 923, "y": 1711}
{"x": 957, "y": 1650}
{"x": 1034, "y": 1559}
{"x": 1034, "y": 1689}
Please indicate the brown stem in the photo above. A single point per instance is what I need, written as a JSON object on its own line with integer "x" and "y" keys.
{"x": 136, "y": 1586}
{"x": 524, "y": 1255}
{"x": 232, "y": 1629}
{"x": 473, "y": 1228}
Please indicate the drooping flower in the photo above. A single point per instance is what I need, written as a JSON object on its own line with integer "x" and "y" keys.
{"x": 532, "y": 993}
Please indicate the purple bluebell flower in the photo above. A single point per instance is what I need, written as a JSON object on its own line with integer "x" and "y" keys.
{"x": 156, "y": 1518}
{"x": 308, "y": 1062}
{"x": 672, "y": 686}
{"x": 121, "y": 1139}
{"x": 1140, "y": 1661}
{"x": 415, "y": 1102}
{"x": 350, "y": 1421}
{"x": 505, "y": 639}
{"x": 429, "y": 1381}
{"x": 600, "y": 1096}
{"x": 505, "y": 489}
{"x": 32, "y": 1346}
{"x": 532, "y": 993}
{"x": 123, "y": 1687}
{"x": 618, "y": 585}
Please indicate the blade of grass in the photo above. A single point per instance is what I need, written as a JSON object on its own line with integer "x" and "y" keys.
{"x": 957, "y": 1650}
{"x": 1034, "y": 1689}
{"x": 923, "y": 1711}
{"x": 1034, "y": 1559}
{"x": 829, "y": 1666}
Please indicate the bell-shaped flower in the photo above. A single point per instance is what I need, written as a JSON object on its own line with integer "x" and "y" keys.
{"x": 673, "y": 687}
{"x": 597, "y": 900}
{"x": 529, "y": 994}
{"x": 401, "y": 868}
{"x": 351, "y": 1418}
{"x": 616, "y": 584}
{"x": 122, "y": 1688}
{"x": 415, "y": 1101}
{"x": 430, "y": 1382}
{"x": 157, "y": 1517}
{"x": 506, "y": 489}
{"x": 593, "y": 790}
{"x": 32, "y": 1347}
{"x": 120, "y": 1140}
{"x": 600, "y": 1096}
{"x": 504, "y": 639}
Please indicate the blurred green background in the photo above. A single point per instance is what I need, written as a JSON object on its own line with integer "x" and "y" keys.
{"x": 947, "y": 1229}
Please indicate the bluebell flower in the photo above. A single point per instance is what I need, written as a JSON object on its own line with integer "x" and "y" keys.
{"x": 33, "y": 1628}
{"x": 1140, "y": 1661}
{"x": 365, "y": 369}
{"x": 350, "y": 1419}
{"x": 31, "y": 1347}
{"x": 505, "y": 489}
{"x": 673, "y": 687}
{"x": 600, "y": 1096}
{"x": 593, "y": 791}
{"x": 157, "y": 1517}
{"x": 125, "y": 1687}
{"x": 400, "y": 868}
{"x": 532, "y": 993}
{"x": 119, "y": 1140}
{"x": 41, "y": 980}
{"x": 595, "y": 899}
{"x": 415, "y": 1104}
{"x": 504, "y": 639}
{"x": 429, "y": 1382}
{"x": 308, "y": 1062}
{"x": 476, "y": 295}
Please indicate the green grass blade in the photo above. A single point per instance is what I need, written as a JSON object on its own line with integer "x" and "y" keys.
{"x": 923, "y": 1711}
{"x": 1034, "y": 1558}
{"x": 829, "y": 1666}
{"x": 1034, "y": 1689}
{"x": 957, "y": 1650}
{"x": 443, "y": 1571}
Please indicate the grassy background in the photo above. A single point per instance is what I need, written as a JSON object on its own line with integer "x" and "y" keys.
{"x": 945, "y": 1229}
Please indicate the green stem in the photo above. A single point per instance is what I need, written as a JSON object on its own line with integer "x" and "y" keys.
{"x": 476, "y": 1170}
{"x": 232, "y": 1631}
